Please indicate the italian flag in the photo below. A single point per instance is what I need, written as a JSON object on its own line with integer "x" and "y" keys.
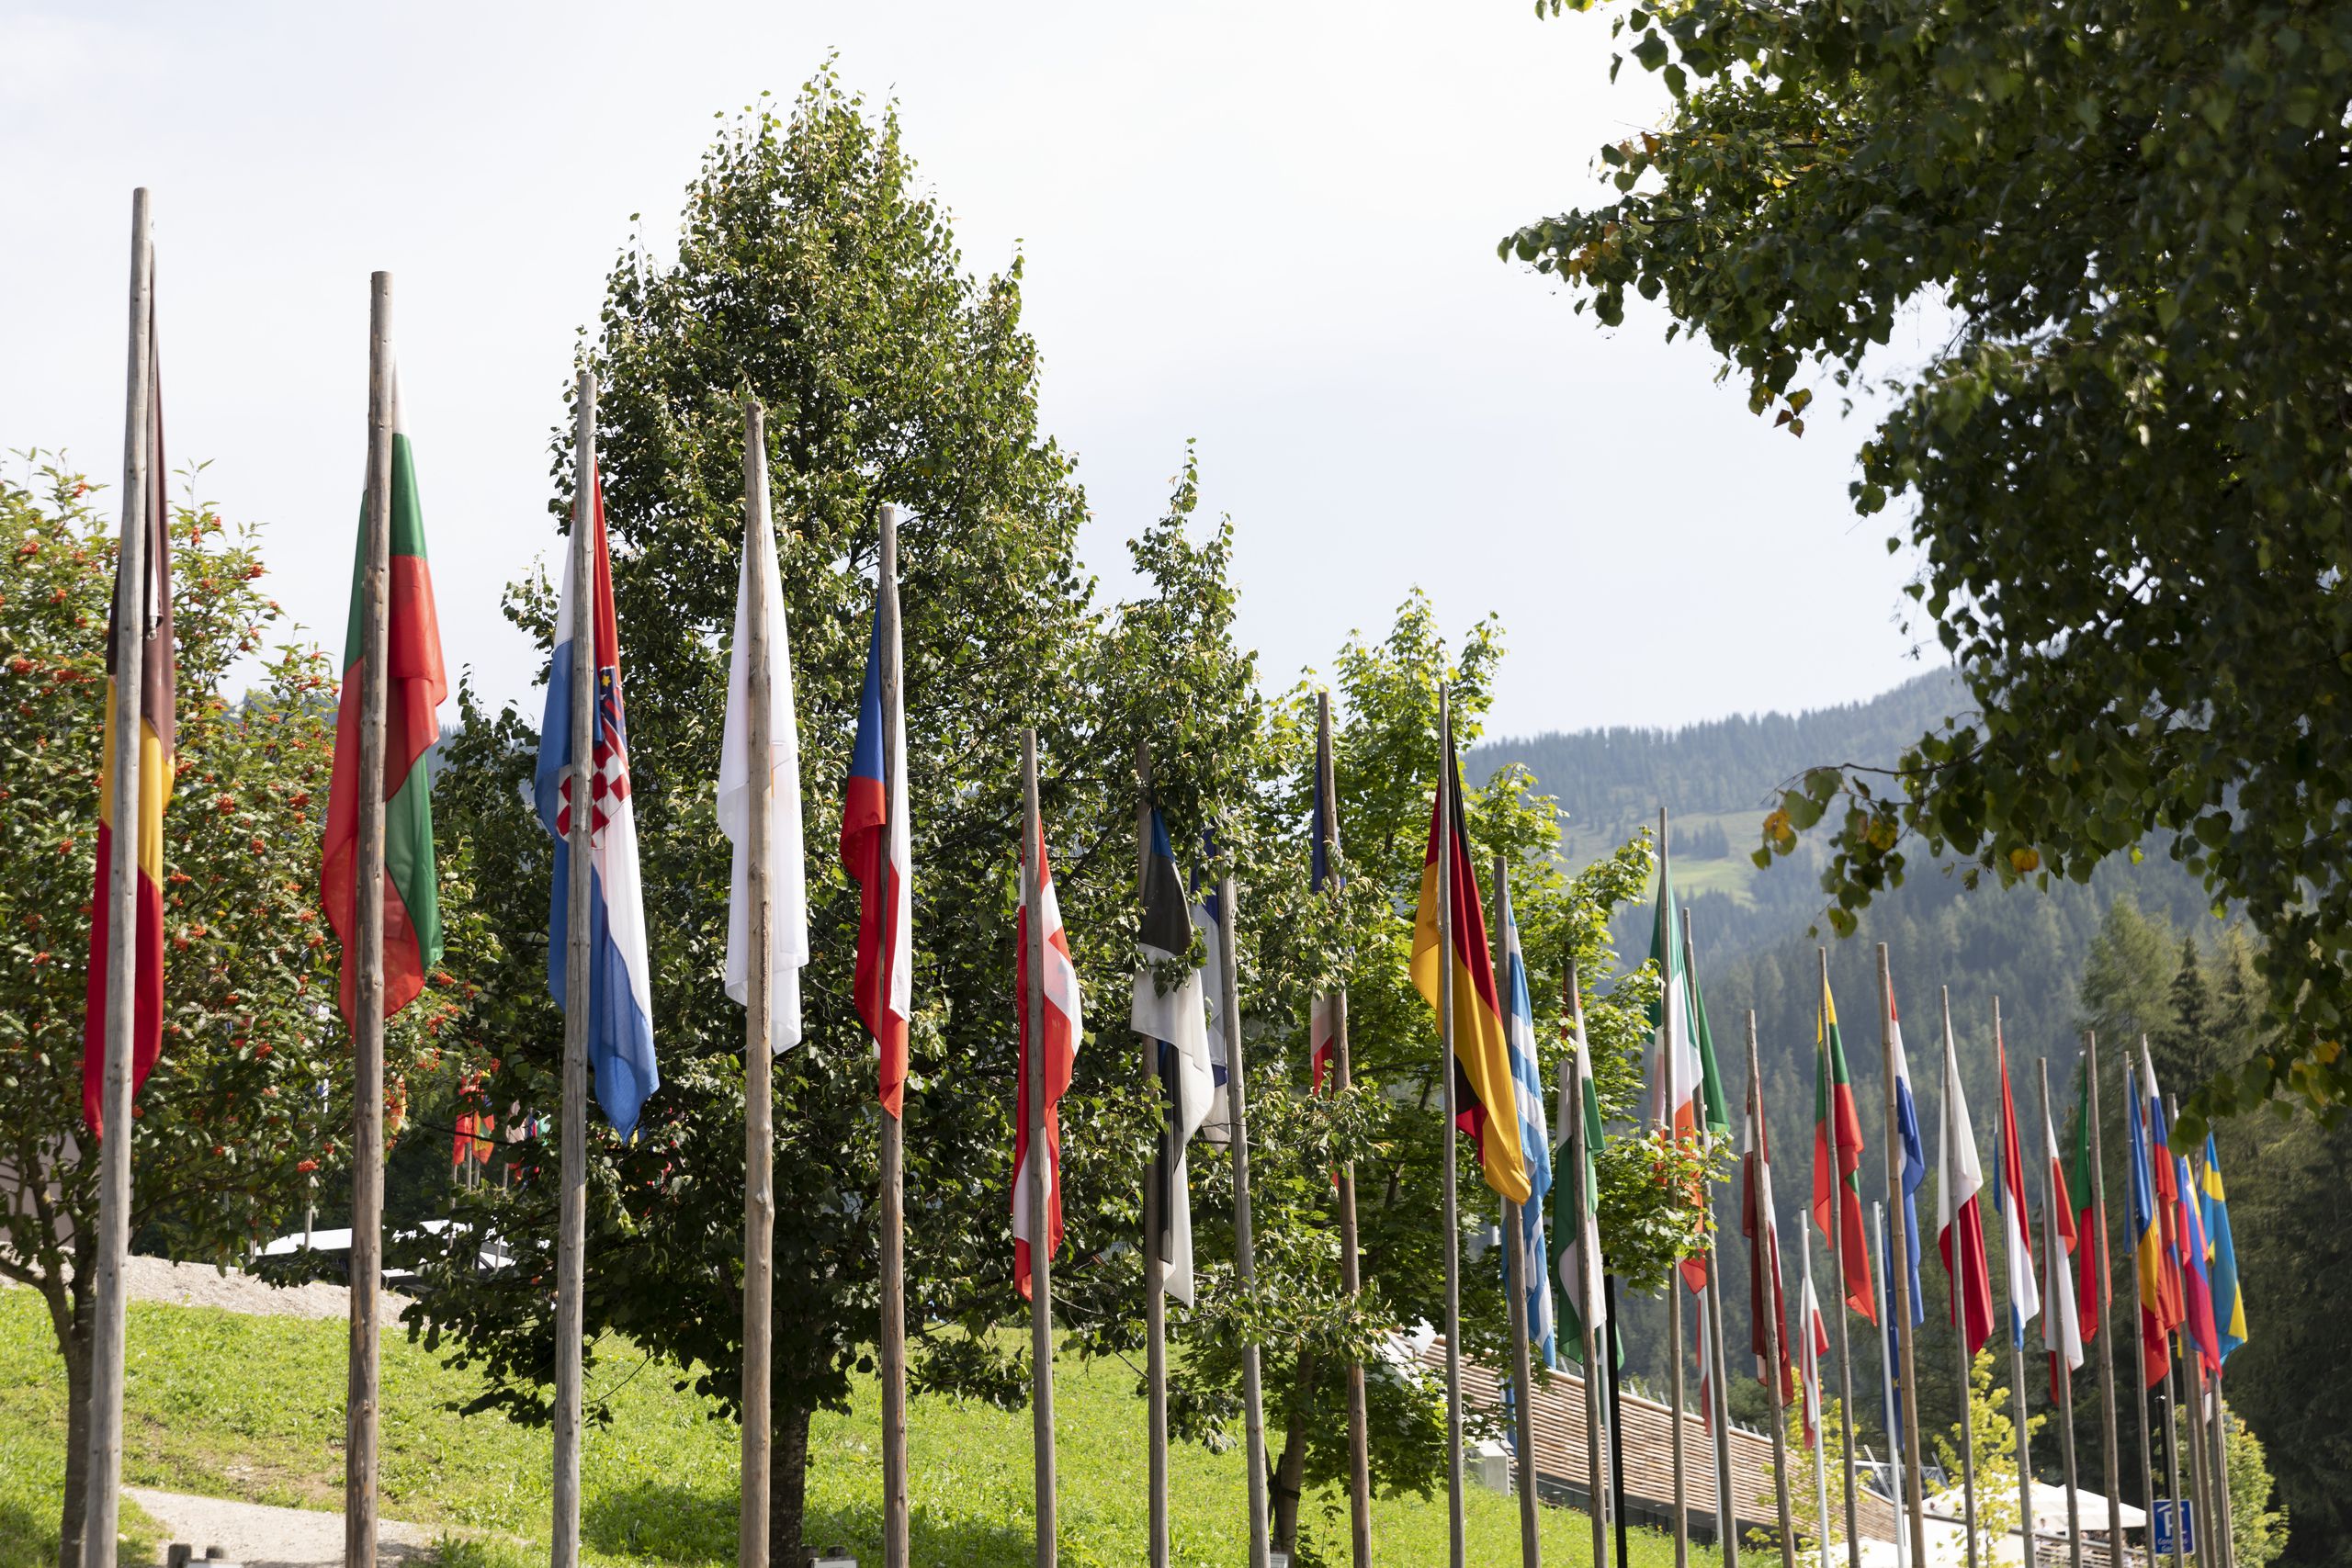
{"x": 415, "y": 687}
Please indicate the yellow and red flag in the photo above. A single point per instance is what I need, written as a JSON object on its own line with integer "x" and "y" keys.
{"x": 158, "y": 671}
{"x": 1483, "y": 1098}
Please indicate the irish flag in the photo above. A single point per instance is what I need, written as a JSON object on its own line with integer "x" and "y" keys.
{"x": 416, "y": 687}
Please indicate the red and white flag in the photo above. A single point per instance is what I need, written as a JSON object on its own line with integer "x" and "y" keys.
{"x": 1063, "y": 1026}
{"x": 1815, "y": 1343}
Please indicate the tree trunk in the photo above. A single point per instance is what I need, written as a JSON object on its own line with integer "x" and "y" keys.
{"x": 73, "y": 1327}
{"x": 1290, "y": 1470}
{"x": 787, "y": 1487}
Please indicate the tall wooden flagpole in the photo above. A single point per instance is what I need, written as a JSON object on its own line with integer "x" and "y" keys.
{"x": 1351, "y": 1265}
{"x": 1674, "y": 1275}
{"x": 1959, "y": 1335}
{"x": 1772, "y": 1293}
{"x": 1719, "y": 1414}
{"x": 2111, "y": 1473}
{"x": 758, "y": 981}
{"x": 1455, "y": 1537}
{"x": 1245, "y": 1246}
{"x": 1041, "y": 1250}
{"x": 2055, "y": 1252}
{"x": 1914, "y": 1502}
{"x": 102, "y": 1496}
{"x": 571, "y": 1199}
{"x": 1837, "y": 1258}
{"x": 367, "y": 1025}
{"x": 1155, "y": 1221}
{"x": 2016, "y": 1356}
{"x": 1588, "y": 1311}
{"x": 896, "y": 1524}
{"x": 1531, "y": 1530}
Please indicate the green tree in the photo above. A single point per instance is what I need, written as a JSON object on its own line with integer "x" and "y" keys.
{"x": 1993, "y": 1438}
{"x": 228, "y": 1133}
{"x": 2121, "y": 460}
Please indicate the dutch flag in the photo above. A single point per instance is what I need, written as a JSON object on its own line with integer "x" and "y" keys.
{"x": 620, "y": 990}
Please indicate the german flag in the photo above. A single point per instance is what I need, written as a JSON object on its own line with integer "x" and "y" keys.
{"x": 1483, "y": 1106}
{"x": 158, "y": 671}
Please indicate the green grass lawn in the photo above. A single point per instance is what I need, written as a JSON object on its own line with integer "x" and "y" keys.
{"x": 230, "y": 1405}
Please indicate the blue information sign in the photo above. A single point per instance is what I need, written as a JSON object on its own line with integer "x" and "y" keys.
{"x": 2171, "y": 1515}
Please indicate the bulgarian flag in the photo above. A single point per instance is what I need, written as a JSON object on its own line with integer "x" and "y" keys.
{"x": 416, "y": 687}
{"x": 158, "y": 667}
{"x": 1837, "y": 1129}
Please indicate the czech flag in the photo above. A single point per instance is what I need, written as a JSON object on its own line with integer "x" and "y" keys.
{"x": 1062, "y": 1027}
{"x": 876, "y": 850}
{"x": 620, "y": 981}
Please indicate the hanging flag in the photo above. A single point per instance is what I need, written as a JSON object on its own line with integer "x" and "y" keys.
{"x": 1705, "y": 1362}
{"x": 1760, "y": 1223}
{"x": 1208, "y": 918}
{"x": 416, "y": 687}
{"x": 2197, "y": 1285}
{"x": 1482, "y": 1092}
{"x": 1814, "y": 1344}
{"x": 1322, "y": 1026}
{"x": 1915, "y": 1160}
{"x": 2222, "y": 1255}
{"x": 1836, "y": 1121}
{"x": 1175, "y": 1020}
{"x": 620, "y": 987}
{"x": 1714, "y": 1107}
{"x": 876, "y": 850}
{"x": 2154, "y": 1212}
{"x": 158, "y": 750}
{"x": 1527, "y": 1086}
{"x": 2061, "y": 1333}
{"x": 1576, "y": 1197}
{"x": 2090, "y": 1262}
{"x": 2009, "y": 1202}
{"x": 1676, "y": 1074}
{"x": 1063, "y": 1026}
{"x": 1960, "y": 1222}
{"x": 787, "y": 885}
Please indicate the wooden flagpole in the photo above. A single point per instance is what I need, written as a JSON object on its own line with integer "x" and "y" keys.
{"x": 896, "y": 1523}
{"x": 759, "y": 1108}
{"x": 1773, "y": 1293}
{"x": 1719, "y": 1416}
{"x": 1914, "y": 1502}
{"x": 1837, "y": 1258}
{"x": 361, "y": 1403}
{"x": 1041, "y": 1249}
{"x": 2056, "y": 1253}
{"x": 1454, "y": 1525}
{"x": 1245, "y": 1255}
{"x": 1351, "y": 1265}
{"x": 1588, "y": 1311}
{"x": 1531, "y": 1530}
{"x": 102, "y": 1496}
{"x": 1960, "y": 1336}
{"x": 2147, "y": 1414}
{"x": 1674, "y": 1275}
{"x": 1154, "y": 1219}
{"x": 2016, "y": 1356}
{"x": 572, "y": 1213}
{"x": 2111, "y": 1473}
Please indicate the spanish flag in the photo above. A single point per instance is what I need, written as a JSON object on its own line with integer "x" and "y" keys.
{"x": 158, "y": 669}
{"x": 1482, "y": 1102}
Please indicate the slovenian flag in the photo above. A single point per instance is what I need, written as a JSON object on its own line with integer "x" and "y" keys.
{"x": 620, "y": 987}
{"x": 1176, "y": 1020}
{"x": 1960, "y": 1220}
{"x": 1057, "y": 1037}
{"x": 2009, "y": 1199}
{"x": 1534, "y": 1139}
{"x": 876, "y": 850}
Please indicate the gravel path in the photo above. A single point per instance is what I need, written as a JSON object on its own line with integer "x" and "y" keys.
{"x": 200, "y": 1284}
{"x": 261, "y": 1536}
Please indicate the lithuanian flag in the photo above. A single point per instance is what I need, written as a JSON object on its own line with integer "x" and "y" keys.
{"x": 1483, "y": 1098}
{"x": 158, "y": 670}
{"x": 415, "y": 687}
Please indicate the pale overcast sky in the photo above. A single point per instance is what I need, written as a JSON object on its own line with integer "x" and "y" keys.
{"x": 1267, "y": 226}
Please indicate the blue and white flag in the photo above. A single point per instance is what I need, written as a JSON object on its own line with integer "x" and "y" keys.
{"x": 620, "y": 989}
{"x": 1915, "y": 1159}
{"x": 1535, "y": 1137}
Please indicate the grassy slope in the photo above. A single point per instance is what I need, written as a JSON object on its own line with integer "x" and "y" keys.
{"x": 238, "y": 1406}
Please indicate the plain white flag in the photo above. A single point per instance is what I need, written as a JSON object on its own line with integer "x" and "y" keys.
{"x": 788, "y": 923}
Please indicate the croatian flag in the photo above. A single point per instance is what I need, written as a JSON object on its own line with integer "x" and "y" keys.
{"x": 620, "y": 989}
{"x": 1915, "y": 1159}
{"x": 876, "y": 850}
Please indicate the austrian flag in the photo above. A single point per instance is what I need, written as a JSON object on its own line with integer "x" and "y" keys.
{"x": 1059, "y": 1038}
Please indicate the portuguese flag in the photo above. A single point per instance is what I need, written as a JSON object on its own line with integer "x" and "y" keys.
{"x": 1838, "y": 1125}
{"x": 415, "y": 687}
{"x": 158, "y": 667}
